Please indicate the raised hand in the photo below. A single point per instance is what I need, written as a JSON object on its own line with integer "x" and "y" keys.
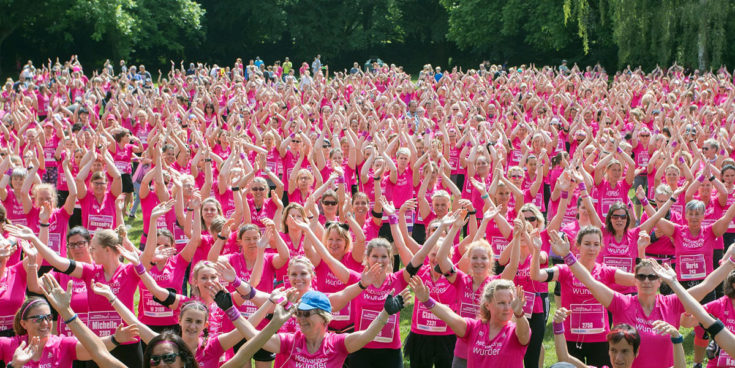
{"x": 644, "y": 240}
{"x": 300, "y": 223}
{"x": 419, "y": 289}
{"x": 664, "y": 272}
{"x": 519, "y": 300}
{"x": 371, "y": 274}
{"x": 558, "y": 243}
{"x": 20, "y": 232}
{"x": 56, "y": 296}
{"x": 664, "y": 328}
{"x": 225, "y": 270}
{"x": 25, "y": 352}
{"x": 162, "y": 208}
{"x": 161, "y": 254}
{"x": 408, "y": 205}
{"x": 130, "y": 256}
{"x": 560, "y": 315}
{"x": 388, "y": 208}
{"x": 102, "y": 290}
{"x": 124, "y": 334}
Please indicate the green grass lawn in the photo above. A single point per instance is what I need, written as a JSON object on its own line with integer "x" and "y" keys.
{"x": 550, "y": 354}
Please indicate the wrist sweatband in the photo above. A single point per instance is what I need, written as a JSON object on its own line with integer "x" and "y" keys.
{"x": 558, "y": 328}
{"x": 232, "y": 313}
{"x": 9, "y": 172}
{"x": 485, "y": 196}
{"x": 677, "y": 340}
{"x": 392, "y": 219}
{"x": 139, "y": 269}
{"x": 681, "y": 159}
{"x": 430, "y": 303}
{"x": 620, "y": 150}
{"x": 236, "y": 284}
{"x": 712, "y": 178}
{"x": 170, "y": 299}
{"x": 411, "y": 269}
{"x": 71, "y": 319}
{"x": 235, "y": 189}
{"x": 376, "y": 178}
{"x": 672, "y": 199}
{"x": 72, "y": 267}
{"x": 582, "y": 186}
{"x": 674, "y": 145}
{"x": 570, "y": 259}
{"x": 701, "y": 178}
{"x": 644, "y": 202}
{"x": 288, "y": 306}
{"x": 715, "y": 328}
{"x": 564, "y": 195}
{"x": 732, "y": 260}
{"x": 340, "y": 180}
{"x": 251, "y": 294}
{"x": 360, "y": 285}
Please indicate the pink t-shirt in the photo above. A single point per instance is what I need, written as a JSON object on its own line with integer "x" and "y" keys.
{"x": 606, "y": 196}
{"x": 266, "y": 211}
{"x": 295, "y": 354}
{"x": 620, "y": 254}
{"x": 59, "y": 351}
{"x": 423, "y": 321}
{"x": 12, "y": 294}
{"x": 467, "y": 304}
{"x": 78, "y": 300}
{"x": 402, "y": 190}
{"x": 151, "y": 312}
{"x": 369, "y": 304}
{"x": 96, "y": 215}
{"x": 237, "y": 260}
{"x": 588, "y": 321}
{"x": 123, "y": 156}
{"x": 103, "y": 319}
{"x": 502, "y": 351}
{"x": 655, "y": 350}
{"x": 328, "y": 283}
{"x": 693, "y": 253}
{"x": 209, "y": 355}
{"x": 723, "y": 310}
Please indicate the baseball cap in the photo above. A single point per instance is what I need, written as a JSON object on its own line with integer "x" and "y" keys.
{"x": 315, "y": 300}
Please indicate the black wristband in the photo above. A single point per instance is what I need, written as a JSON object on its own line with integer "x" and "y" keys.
{"x": 207, "y": 160}
{"x": 411, "y": 269}
{"x": 114, "y": 342}
{"x": 221, "y": 237}
{"x": 715, "y": 328}
{"x": 672, "y": 199}
{"x": 378, "y": 215}
{"x": 360, "y": 285}
{"x": 235, "y": 189}
{"x": 41, "y": 224}
{"x": 712, "y": 178}
{"x": 71, "y": 268}
{"x": 473, "y": 212}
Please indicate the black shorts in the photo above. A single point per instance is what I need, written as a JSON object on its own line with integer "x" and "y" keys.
{"x": 127, "y": 183}
{"x": 427, "y": 351}
{"x": 260, "y": 355}
{"x": 376, "y": 358}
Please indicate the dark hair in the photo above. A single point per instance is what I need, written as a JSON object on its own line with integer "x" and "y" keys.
{"x": 586, "y": 230}
{"x": 79, "y": 230}
{"x": 725, "y": 168}
{"x": 727, "y": 288}
{"x": 187, "y": 358}
{"x": 608, "y": 220}
{"x": 22, "y": 313}
{"x": 627, "y": 332}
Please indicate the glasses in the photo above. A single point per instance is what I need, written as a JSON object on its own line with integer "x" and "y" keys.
{"x": 79, "y": 244}
{"x": 167, "y": 358}
{"x": 40, "y": 318}
{"x": 329, "y": 203}
{"x": 642, "y": 277}
{"x": 99, "y": 183}
{"x": 295, "y": 141}
{"x": 531, "y": 219}
{"x": 705, "y": 148}
{"x": 515, "y": 176}
{"x": 305, "y": 313}
{"x": 258, "y": 189}
{"x": 618, "y": 217}
{"x": 645, "y": 135}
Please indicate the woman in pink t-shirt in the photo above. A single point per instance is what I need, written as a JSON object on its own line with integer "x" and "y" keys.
{"x": 35, "y": 346}
{"x": 312, "y": 344}
{"x": 98, "y": 207}
{"x": 641, "y": 310}
{"x": 499, "y": 337}
{"x": 624, "y": 342}
{"x": 17, "y": 198}
{"x": 611, "y": 186}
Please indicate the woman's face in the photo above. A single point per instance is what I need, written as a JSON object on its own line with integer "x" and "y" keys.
{"x": 402, "y": 161}
{"x": 516, "y": 177}
{"x": 78, "y": 247}
{"x": 299, "y": 276}
{"x": 441, "y": 206}
{"x": 38, "y": 321}
{"x": 705, "y": 189}
{"x": 621, "y": 354}
{"x": 502, "y": 195}
{"x": 336, "y": 244}
{"x": 500, "y": 306}
{"x": 728, "y": 176}
{"x": 380, "y": 255}
{"x": 360, "y": 205}
{"x": 258, "y": 189}
{"x": 209, "y": 212}
{"x": 165, "y": 353}
{"x": 17, "y": 182}
{"x": 205, "y": 279}
{"x": 479, "y": 260}
{"x": 304, "y": 181}
{"x": 647, "y": 286}
{"x": 694, "y": 218}
{"x": 249, "y": 241}
{"x": 99, "y": 253}
{"x": 295, "y": 213}
{"x": 614, "y": 172}
{"x": 590, "y": 246}
{"x": 311, "y": 325}
{"x": 672, "y": 176}
{"x": 43, "y": 196}
{"x": 482, "y": 165}
{"x": 193, "y": 322}
{"x": 618, "y": 219}
{"x": 329, "y": 204}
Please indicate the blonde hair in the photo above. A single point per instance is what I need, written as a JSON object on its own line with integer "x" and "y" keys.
{"x": 341, "y": 232}
{"x": 195, "y": 273}
{"x": 489, "y": 293}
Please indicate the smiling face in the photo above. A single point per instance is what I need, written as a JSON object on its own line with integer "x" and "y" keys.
{"x": 300, "y": 276}
{"x": 192, "y": 322}
{"x": 35, "y": 323}
{"x": 336, "y": 243}
{"x": 204, "y": 280}
{"x": 380, "y": 255}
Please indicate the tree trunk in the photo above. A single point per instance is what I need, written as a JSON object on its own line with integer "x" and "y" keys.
{"x": 702, "y": 40}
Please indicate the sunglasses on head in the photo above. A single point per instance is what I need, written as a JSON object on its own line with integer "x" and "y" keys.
{"x": 618, "y": 217}
{"x": 40, "y": 318}
{"x": 305, "y": 313}
{"x": 642, "y": 277}
{"x": 167, "y": 358}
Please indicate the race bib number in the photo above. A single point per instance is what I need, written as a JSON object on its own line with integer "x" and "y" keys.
{"x": 123, "y": 166}
{"x": 64, "y": 330}
{"x": 587, "y": 319}
{"x": 247, "y": 309}
{"x": 342, "y": 314}
{"x": 468, "y": 310}
{"x": 427, "y": 321}
{"x": 621, "y": 263}
{"x": 692, "y": 266}
{"x": 528, "y": 306}
{"x": 104, "y": 323}
{"x": 387, "y": 333}
{"x": 6, "y": 323}
{"x": 151, "y": 308}
{"x": 99, "y": 222}
{"x": 499, "y": 244}
{"x": 725, "y": 360}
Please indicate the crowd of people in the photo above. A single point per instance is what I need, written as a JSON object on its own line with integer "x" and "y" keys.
{"x": 288, "y": 214}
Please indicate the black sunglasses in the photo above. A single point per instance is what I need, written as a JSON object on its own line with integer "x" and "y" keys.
{"x": 531, "y": 219}
{"x": 329, "y": 203}
{"x": 258, "y": 189}
{"x": 642, "y": 277}
{"x": 167, "y": 358}
{"x": 618, "y": 217}
{"x": 305, "y": 313}
{"x": 40, "y": 318}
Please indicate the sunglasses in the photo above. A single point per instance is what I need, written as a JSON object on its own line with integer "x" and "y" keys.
{"x": 167, "y": 358}
{"x": 642, "y": 277}
{"x": 40, "y": 318}
{"x": 530, "y": 219}
{"x": 258, "y": 189}
{"x": 305, "y": 313}
{"x": 645, "y": 135}
{"x": 295, "y": 141}
{"x": 516, "y": 176}
{"x": 619, "y": 217}
{"x": 329, "y": 203}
